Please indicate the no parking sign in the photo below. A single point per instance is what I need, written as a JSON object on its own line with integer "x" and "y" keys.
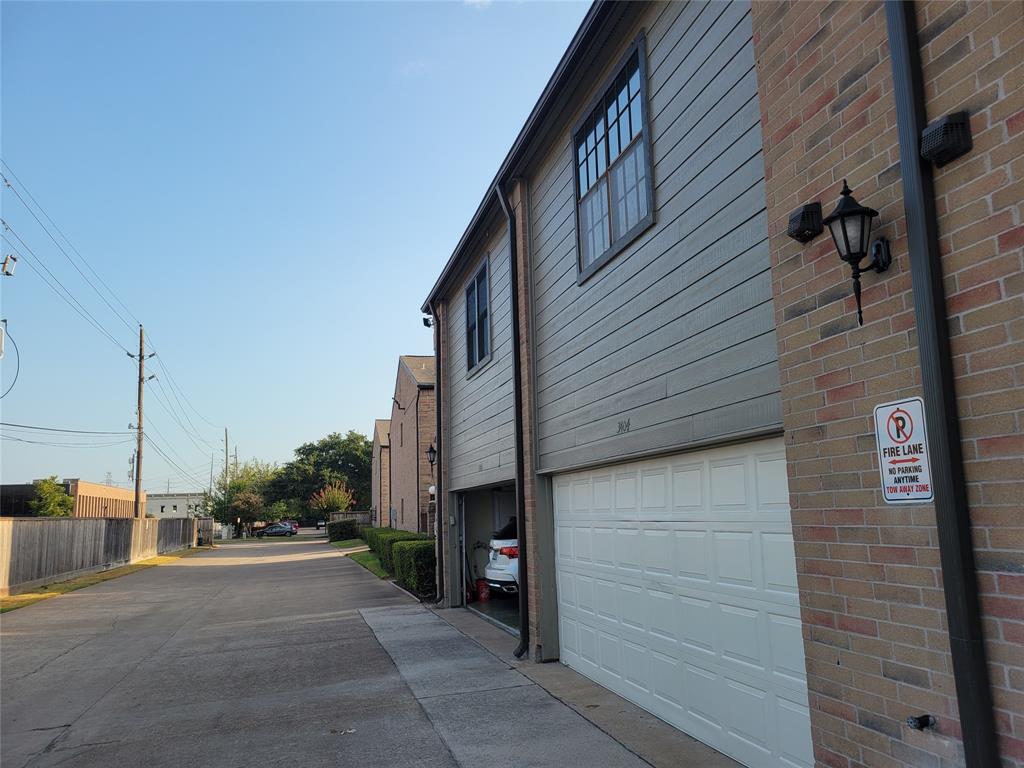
{"x": 903, "y": 452}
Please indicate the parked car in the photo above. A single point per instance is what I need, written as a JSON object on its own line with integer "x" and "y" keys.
{"x": 502, "y": 569}
{"x": 293, "y": 523}
{"x": 276, "y": 529}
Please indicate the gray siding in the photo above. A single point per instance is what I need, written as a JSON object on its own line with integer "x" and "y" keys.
{"x": 480, "y": 434}
{"x": 676, "y": 334}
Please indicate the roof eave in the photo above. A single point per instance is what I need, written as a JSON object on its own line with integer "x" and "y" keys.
{"x": 588, "y": 27}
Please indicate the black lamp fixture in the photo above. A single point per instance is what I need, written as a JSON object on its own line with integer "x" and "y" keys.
{"x": 431, "y": 454}
{"x": 850, "y": 225}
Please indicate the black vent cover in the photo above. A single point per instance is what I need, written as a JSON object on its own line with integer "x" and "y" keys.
{"x": 947, "y": 139}
{"x": 805, "y": 223}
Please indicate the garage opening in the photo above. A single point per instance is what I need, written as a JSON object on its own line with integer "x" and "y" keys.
{"x": 490, "y": 555}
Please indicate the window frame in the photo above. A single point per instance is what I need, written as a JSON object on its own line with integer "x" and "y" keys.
{"x": 638, "y": 47}
{"x": 473, "y": 285}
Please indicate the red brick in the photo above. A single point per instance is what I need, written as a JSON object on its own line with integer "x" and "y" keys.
{"x": 858, "y": 625}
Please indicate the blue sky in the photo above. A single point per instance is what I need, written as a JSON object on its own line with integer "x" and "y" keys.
{"x": 272, "y": 188}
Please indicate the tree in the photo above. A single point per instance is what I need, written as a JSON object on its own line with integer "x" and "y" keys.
{"x": 333, "y": 459}
{"x": 332, "y": 498}
{"x": 247, "y": 506}
{"x": 51, "y": 500}
{"x": 252, "y": 477}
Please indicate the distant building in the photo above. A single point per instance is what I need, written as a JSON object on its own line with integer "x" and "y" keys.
{"x": 380, "y": 473}
{"x": 188, "y": 504}
{"x": 412, "y": 430}
{"x": 91, "y": 499}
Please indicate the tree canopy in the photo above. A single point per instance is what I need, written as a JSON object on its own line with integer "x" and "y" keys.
{"x": 332, "y": 460}
{"x": 331, "y": 474}
{"x": 51, "y": 500}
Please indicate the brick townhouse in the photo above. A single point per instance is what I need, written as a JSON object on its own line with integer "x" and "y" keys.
{"x": 411, "y": 433}
{"x": 675, "y": 397}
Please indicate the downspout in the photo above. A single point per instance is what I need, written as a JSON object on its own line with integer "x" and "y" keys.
{"x": 952, "y": 517}
{"x": 438, "y": 524}
{"x": 416, "y": 449}
{"x": 517, "y": 406}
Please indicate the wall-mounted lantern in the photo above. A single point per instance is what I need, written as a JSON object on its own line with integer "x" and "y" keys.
{"x": 431, "y": 455}
{"x": 850, "y": 225}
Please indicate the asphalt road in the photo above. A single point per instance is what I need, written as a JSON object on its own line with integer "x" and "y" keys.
{"x": 279, "y": 653}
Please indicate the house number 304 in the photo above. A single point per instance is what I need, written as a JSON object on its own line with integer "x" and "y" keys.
{"x": 623, "y": 427}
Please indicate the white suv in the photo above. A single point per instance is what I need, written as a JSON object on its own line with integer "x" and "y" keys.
{"x": 502, "y": 569}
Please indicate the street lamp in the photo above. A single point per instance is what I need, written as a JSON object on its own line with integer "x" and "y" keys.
{"x": 431, "y": 455}
{"x": 850, "y": 225}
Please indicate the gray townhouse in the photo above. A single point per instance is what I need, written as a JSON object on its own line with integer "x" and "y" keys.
{"x": 652, "y": 357}
{"x": 628, "y": 227}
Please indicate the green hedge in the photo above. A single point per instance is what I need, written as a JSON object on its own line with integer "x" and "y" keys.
{"x": 342, "y": 530}
{"x": 415, "y": 565}
{"x": 381, "y": 540}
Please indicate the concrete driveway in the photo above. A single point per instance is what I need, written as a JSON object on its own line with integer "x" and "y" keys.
{"x": 278, "y": 653}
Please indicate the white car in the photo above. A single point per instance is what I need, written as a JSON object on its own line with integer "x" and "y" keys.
{"x": 502, "y": 569}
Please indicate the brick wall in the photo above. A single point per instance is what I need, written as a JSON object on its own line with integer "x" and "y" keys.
{"x": 870, "y": 585}
{"x": 404, "y": 458}
{"x": 380, "y": 491}
{"x": 528, "y": 538}
{"x": 427, "y": 430}
{"x": 412, "y": 430}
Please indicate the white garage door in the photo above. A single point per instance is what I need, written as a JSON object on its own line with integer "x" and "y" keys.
{"x": 677, "y": 590}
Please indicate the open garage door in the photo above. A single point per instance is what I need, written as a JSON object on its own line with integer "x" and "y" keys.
{"x": 677, "y": 590}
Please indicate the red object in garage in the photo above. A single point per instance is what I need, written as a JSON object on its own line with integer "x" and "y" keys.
{"x": 483, "y": 592}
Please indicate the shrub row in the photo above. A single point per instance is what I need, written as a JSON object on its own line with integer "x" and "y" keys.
{"x": 414, "y": 565}
{"x": 381, "y": 541}
{"x": 342, "y": 530}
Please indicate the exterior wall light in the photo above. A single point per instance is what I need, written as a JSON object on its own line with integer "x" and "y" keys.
{"x": 850, "y": 225}
{"x": 431, "y": 454}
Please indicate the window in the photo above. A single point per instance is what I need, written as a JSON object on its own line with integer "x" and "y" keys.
{"x": 161, "y": 509}
{"x": 478, "y": 320}
{"x": 614, "y": 189}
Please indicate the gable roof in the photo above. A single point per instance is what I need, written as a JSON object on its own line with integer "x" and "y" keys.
{"x": 382, "y": 431}
{"x": 421, "y": 368}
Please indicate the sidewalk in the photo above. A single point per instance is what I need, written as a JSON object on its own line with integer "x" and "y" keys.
{"x": 655, "y": 741}
{"x": 485, "y": 711}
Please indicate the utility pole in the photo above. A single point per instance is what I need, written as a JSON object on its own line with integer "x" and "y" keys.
{"x": 212, "y": 455}
{"x": 225, "y": 460}
{"x": 139, "y": 433}
{"x": 236, "y": 459}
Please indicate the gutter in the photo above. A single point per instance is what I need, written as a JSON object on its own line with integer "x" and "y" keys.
{"x": 952, "y": 517}
{"x": 438, "y": 523}
{"x": 517, "y": 406}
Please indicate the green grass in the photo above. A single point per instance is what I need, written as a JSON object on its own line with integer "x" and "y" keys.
{"x": 370, "y": 562}
{"x": 13, "y": 602}
{"x": 348, "y": 543}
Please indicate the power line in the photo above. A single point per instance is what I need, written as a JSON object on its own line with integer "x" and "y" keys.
{"x": 73, "y": 302}
{"x": 61, "y": 429}
{"x": 174, "y": 383}
{"x": 60, "y": 247}
{"x": 182, "y": 473}
{"x": 65, "y": 445}
{"x": 162, "y": 401}
{"x": 17, "y": 370}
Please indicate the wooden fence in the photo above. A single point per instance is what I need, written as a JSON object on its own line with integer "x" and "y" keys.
{"x": 42, "y": 550}
{"x": 361, "y": 517}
